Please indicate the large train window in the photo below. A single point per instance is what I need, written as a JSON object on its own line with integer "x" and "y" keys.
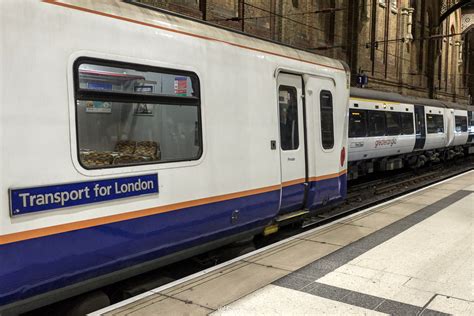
{"x": 407, "y": 123}
{"x": 470, "y": 115}
{"x": 393, "y": 121}
{"x": 434, "y": 123}
{"x": 461, "y": 123}
{"x": 357, "y": 123}
{"x": 376, "y": 123}
{"x": 288, "y": 103}
{"x": 130, "y": 114}
{"x": 327, "y": 124}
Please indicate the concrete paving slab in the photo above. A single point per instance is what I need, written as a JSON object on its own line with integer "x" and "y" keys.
{"x": 376, "y": 220}
{"x": 300, "y": 254}
{"x": 161, "y": 305}
{"x": 203, "y": 278}
{"x": 436, "y": 194}
{"x": 237, "y": 283}
{"x": 401, "y": 209}
{"x": 384, "y": 286}
{"x": 324, "y": 231}
{"x": 470, "y": 188}
{"x": 276, "y": 300}
{"x": 452, "y": 186}
{"x": 433, "y": 256}
{"x": 452, "y": 306}
{"x": 423, "y": 199}
{"x": 343, "y": 235}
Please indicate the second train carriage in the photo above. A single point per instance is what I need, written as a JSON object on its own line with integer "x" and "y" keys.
{"x": 388, "y": 131}
{"x": 135, "y": 138}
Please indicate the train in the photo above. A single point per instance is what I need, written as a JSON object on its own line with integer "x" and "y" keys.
{"x": 389, "y": 131}
{"x": 138, "y": 138}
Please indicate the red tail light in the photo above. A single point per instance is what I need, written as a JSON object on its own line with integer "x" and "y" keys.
{"x": 343, "y": 156}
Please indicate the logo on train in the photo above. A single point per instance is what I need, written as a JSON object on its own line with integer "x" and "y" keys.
{"x": 36, "y": 199}
{"x": 385, "y": 142}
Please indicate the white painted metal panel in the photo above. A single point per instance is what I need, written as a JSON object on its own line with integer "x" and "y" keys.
{"x": 239, "y": 115}
{"x": 361, "y": 148}
{"x": 293, "y": 161}
{"x": 439, "y": 139}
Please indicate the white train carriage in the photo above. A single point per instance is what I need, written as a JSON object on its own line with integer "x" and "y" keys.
{"x": 470, "y": 128}
{"x": 434, "y": 133}
{"x": 457, "y": 125}
{"x": 380, "y": 129}
{"x": 388, "y": 131}
{"x": 132, "y": 138}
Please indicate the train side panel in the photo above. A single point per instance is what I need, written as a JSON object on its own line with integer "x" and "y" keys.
{"x": 457, "y": 127}
{"x": 369, "y": 146}
{"x": 328, "y": 151}
{"x": 436, "y": 128}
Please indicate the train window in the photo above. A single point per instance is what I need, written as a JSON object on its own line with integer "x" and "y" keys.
{"x": 393, "y": 123}
{"x": 376, "y": 123}
{"x": 470, "y": 115}
{"x": 327, "y": 124}
{"x": 357, "y": 123}
{"x": 288, "y": 103}
{"x": 407, "y": 123}
{"x": 131, "y": 114}
{"x": 434, "y": 123}
{"x": 142, "y": 81}
{"x": 461, "y": 123}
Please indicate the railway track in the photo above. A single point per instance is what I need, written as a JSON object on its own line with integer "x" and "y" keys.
{"x": 361, "y": 195}
{"x": 391, "y": 185}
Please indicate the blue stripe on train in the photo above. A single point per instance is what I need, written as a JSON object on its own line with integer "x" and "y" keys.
{"x": 39, "y": 265}
{"x": 35, "y": 266}
{"x": 328, "y": 191}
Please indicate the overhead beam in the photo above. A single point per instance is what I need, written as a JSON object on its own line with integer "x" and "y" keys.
{"x": 453, "y": 8}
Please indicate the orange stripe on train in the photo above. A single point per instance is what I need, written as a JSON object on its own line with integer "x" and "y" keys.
{"x": 42, "y": 232}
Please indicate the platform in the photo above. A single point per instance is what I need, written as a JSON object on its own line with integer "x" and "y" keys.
{"x": 410, "y": 256}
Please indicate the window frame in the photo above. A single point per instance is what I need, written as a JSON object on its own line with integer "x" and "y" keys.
{"x": 399, "y": 116}
{"x": 366, "y": 116}
{"x": 369, "y": 129}
{"x": 329, "y": 93}
{"x": 123, "y": 97}
{"x": 413, "y": 128}
{"x": 289, "y": 87}
{"x": 456, "y": 117}
{"x": 435, "y": 118}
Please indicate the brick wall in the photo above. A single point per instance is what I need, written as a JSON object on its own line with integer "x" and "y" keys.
{"x": 367, "y": 34}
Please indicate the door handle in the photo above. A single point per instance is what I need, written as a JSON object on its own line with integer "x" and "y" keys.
{"x": 291, "y": 159}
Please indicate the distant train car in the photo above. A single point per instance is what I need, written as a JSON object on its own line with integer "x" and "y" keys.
{"x": 132, "y": 138}
{"x": 470, "y": 124}
{"x": 388, "y": 131}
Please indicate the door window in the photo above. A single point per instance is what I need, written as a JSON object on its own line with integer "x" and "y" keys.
{"x": 288, "y": 104}
{"x": 327, "y": 124}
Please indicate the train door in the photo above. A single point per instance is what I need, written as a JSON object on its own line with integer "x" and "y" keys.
{"x": 420, "y": 127}
{"x": 292, "y": 142}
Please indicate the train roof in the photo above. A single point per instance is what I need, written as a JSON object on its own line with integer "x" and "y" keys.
{"x": 396, "y": 97}
{"x": 133, "y": 12}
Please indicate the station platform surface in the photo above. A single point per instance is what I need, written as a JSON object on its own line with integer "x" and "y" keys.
{"x": 413, "y": 255}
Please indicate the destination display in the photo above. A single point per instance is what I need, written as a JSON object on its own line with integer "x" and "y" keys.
{"x": 37, "y": 199}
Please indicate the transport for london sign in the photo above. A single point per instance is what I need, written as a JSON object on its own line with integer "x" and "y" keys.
{"x": 37, "y": 199}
